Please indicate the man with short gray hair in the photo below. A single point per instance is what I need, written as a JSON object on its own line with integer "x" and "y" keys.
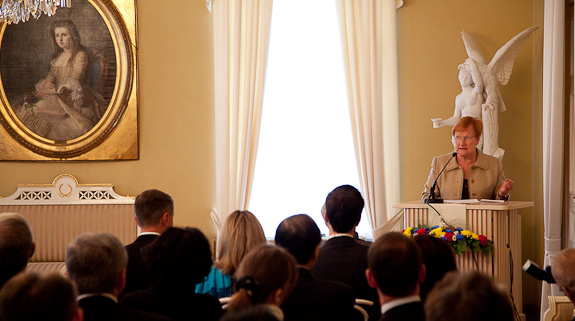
{"x": 97, "y": 263}
{"x": 16, "y": 245}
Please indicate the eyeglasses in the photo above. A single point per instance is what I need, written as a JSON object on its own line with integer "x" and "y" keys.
{"x": 466, "y": 138}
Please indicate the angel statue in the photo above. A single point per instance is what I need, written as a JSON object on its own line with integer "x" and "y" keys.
{"x": 480, "y": 96}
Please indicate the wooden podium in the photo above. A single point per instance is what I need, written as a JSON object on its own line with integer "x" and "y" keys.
{"x": 498, "y": 222}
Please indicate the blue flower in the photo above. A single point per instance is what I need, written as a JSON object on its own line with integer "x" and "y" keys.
{"x": 459, "y": 229}
{"x": 448, "y": 230}
{"x": 460, "y": 237}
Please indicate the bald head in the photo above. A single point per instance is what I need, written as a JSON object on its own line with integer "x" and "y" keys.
{"x": 16, "y": 245}
{"x": 563, "y": 269}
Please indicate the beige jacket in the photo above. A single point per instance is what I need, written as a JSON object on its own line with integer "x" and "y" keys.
{"x": 485, "y": 178}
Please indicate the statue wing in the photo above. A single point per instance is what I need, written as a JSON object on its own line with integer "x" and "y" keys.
{"x": 472, "y": 48}
{"x": 502, "y": 62}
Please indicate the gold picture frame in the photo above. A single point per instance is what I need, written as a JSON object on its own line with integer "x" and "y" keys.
{"x": 62, "y": 104}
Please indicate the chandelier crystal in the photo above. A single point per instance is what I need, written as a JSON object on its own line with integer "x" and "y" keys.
{"x": 14, "y": 11}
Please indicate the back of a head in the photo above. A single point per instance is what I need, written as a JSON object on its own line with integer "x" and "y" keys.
{"x": 395, "y": 262}
{"x": 151, "y": 205}
{"x": 258, "y": 312}
{"x": 300, "y": 236}
{"x": 563, "y": 269}
{"x": 180, "y": 254}
{"x": 30, "y": 296}
{"x": 471, "y": 296}
{"x": 16, "y": 245}
{"x": 343, "y": 208}
{"x": 241, "y": 232}
{"x": 438, "y": 258}
{"x": 95, "y": 262}
{"x": 263, "y": 271}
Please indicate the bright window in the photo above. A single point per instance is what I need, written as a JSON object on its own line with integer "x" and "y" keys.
{"x": 305, "y": 147}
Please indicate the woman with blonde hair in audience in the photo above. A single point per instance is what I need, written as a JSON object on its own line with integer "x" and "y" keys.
{"x": 266, "y": 275}
{"x": 241, "y": 232}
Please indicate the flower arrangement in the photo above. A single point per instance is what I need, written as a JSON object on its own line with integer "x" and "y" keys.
{"x": 459, "y": 239}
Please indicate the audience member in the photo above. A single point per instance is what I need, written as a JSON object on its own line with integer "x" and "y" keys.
{"x": 31, "y": 296}
{"x": 563, "y": 271}
{"x": 343, "y": 258}
{"x": 258, "y": 312}
{"x": 396, "y": 270}
{"x": 179, "y": 258}
{"x": 16, "y": 245}
{"x": 241, "y": 232}
{"x": 438, "y": 258}
{"x": 97, "y": 264}
{"x": 266, "y": 275}
{"x": 311, "y": 299}
{"x": 470, "y": 296}
{"x": 154, "y": 214}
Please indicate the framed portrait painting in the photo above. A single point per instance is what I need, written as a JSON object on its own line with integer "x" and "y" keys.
{"x": 68, "y": 84}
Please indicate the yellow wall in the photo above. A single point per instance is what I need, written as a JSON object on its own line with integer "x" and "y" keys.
{"x": 177, "y": 118}
{"x": 430, "y": 49}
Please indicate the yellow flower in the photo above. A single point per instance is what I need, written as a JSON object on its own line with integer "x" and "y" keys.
{"x": 466, "y": 233}
{"x": 436, "y": 231}
{"x": 474, "y": 236}
{"x": 407, "y": 231}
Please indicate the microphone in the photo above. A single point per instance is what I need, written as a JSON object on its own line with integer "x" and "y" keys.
{"x": 432, "y": 198}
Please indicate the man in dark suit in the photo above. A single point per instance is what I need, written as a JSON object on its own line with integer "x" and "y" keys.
{"x": 396, "y": 270}
{"x": 311, "y": 299}
{"x": 343, "y": 257}
{"x": 97, "y": 264}
{"x": 154, "y": 214}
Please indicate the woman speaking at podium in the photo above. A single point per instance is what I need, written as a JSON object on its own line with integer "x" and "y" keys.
{"x": 472, "y": 175}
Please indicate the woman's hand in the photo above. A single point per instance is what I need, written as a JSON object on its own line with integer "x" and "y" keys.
{"x": 506, "y": 188}
{"x": 44, "y": 88}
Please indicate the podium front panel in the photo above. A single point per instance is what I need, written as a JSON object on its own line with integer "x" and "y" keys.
{"x": 499, "y": 223}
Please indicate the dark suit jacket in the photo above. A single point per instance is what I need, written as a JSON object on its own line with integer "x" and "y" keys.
{"x": 344, "y": 259}
{"x": 137, "y": 275}
{"x": 314, "y": 300}
{"x": 406, "y": 312}
{"x": 101, "y": 308}
{"x": 178, "y": 301}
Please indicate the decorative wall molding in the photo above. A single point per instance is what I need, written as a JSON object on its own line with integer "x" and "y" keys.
{"x": 65, "y": 190}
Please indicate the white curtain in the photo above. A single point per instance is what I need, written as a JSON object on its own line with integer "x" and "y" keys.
{"x": 369, "y": 47}
{"x": 553, "y": 120}
{"x": 241, "y": 39}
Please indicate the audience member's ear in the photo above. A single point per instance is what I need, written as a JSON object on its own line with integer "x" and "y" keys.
{"x": 32, "y": 249}
{"x": 121, "y": 282}
{"x": 315, "y": 254}
{"x": 136, "y": 219}
{"x": 370, "y": 279}
{"x": 421, "y": 276}
{"x": 569, "y": 294}
{"x": 276, "y": 297}
{"x": 78, "y": 315}
{"x": 167, "y": 220}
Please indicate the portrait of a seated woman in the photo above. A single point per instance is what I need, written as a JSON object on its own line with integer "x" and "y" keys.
{"x": 63, "y": 106}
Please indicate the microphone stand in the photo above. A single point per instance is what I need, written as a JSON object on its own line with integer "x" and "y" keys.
{"x": 432, "y": 198}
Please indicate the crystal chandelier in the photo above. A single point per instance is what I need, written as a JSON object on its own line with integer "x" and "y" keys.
{"x": 14, "y": 11}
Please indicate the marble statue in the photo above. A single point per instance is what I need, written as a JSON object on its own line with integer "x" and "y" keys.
{"x": 480, "y": 96}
